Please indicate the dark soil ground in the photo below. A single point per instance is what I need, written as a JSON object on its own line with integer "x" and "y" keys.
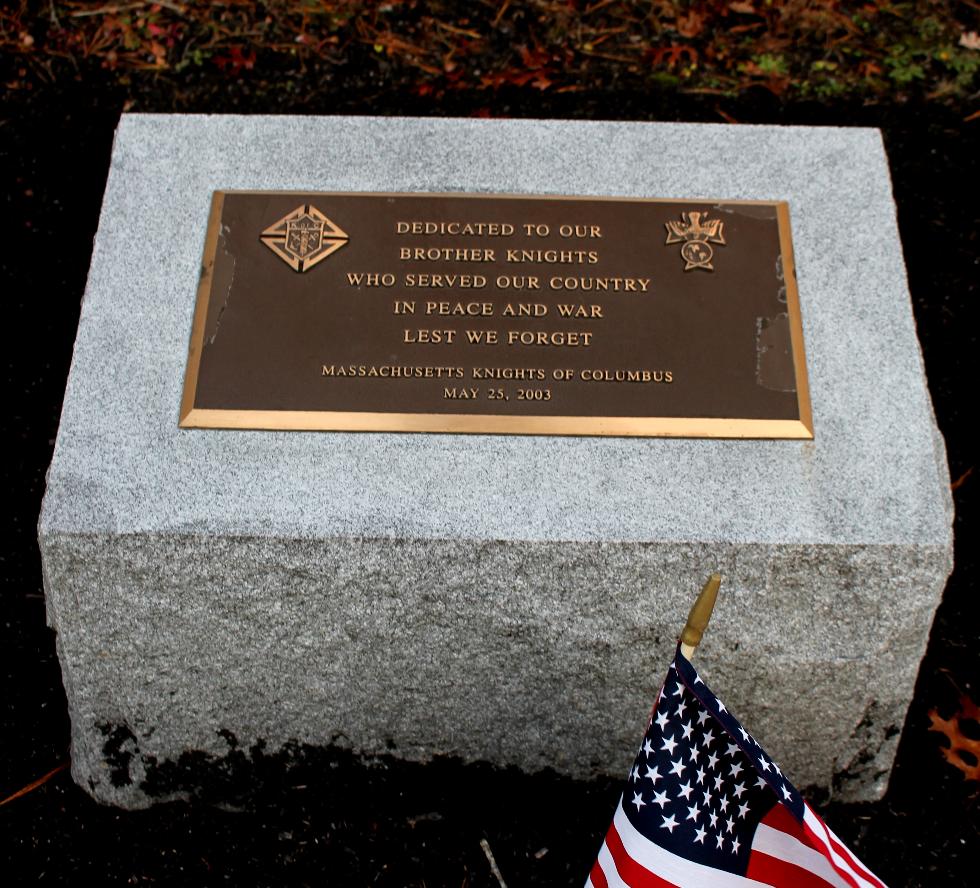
{"x": 314, "y": 817}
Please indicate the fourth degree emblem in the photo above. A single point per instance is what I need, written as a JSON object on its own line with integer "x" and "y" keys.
{"x": 696, "y": 232}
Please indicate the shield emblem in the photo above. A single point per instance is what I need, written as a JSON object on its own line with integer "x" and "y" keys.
{"x": 303, "y": 236}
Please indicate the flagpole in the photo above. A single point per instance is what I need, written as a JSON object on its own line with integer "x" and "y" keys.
{"x": 697, "y": 619}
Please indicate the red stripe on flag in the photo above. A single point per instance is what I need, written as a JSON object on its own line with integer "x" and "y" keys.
{"x": 773, "y": 871}
{"x": 780, "y": 818}
{"x": 632, "y": 873}
{"x": 598, "y": 877}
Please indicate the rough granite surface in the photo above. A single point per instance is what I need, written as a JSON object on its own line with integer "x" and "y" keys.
{"x": 511, "y": 599}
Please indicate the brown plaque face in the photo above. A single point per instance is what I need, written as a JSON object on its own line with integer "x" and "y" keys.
{"x": 497, "y": 314}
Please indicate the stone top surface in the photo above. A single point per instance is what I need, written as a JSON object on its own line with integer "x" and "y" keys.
{"x": 875, "y": 473}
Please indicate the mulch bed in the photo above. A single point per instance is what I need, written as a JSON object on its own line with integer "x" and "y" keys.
{"x": 314, "y": 816}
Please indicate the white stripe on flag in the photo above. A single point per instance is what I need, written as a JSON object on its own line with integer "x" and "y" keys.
{"x": 820, "y": 831}
{"x": 608, "y": 867}
{"x": 782, "y": 846}
{"x": 671, "y": 867}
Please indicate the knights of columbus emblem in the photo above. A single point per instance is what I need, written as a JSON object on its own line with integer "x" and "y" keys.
{"x": 697, "y": 237}
{"x": 303, "y": 237}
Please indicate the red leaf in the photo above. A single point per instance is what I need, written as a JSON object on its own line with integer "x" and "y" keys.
{"x": 690, "y": 25}
{"x": 963, "y": 752}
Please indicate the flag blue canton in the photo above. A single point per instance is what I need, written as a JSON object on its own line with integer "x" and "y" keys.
{"x": 700, "y": 784}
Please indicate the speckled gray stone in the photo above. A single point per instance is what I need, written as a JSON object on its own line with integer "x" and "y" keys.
{"x": 513, "y": 599}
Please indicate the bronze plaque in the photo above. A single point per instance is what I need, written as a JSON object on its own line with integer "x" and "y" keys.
{"x": 497, "y": 314}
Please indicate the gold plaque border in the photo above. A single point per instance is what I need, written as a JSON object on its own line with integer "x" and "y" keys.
{"x": 192, "y": 417}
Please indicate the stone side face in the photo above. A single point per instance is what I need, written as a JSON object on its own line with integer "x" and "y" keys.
{"x": 505, "y": 598}
{"x": 538, "y": 655}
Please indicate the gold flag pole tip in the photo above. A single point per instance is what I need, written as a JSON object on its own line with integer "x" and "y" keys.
{"x": 697, "y": 619}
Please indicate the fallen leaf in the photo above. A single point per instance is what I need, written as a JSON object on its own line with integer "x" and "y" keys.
{"x": 690, "y": 25}
{"x": 672, "y": 55}
{"x": 963, "y": 752}
{"x": 235, "y": 60}
{"x": 970, "y": 39}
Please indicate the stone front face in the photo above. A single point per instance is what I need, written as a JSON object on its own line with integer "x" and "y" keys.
{"x": 511, "y": 599}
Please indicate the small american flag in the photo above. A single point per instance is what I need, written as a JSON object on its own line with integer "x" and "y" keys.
{"x": 705, "y": 807}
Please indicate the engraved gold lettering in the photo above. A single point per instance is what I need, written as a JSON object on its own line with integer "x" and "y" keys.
{"x": 460, "y": 394}
{"x": 556, "y": 337}
{"x": 553, "y": 257}
{"x": 525, "y": 310}
{"x": 433, "y": 337}
{"x": 516, "y": 373}
{"x": 533, "y": 230}
{"x": 616, "y": 284}
{"x": 443, "y": 281}
{"x": 509, "y": 282}
{"x": 580, "y": 311}
{"x": 464, "y": 229}
{"x": 641, "y": 376}
{"x": 482, "y": 337}
{"x": 447, "y": 254}
{"x": 459, "y": 308}
{"x": 579, "y": 231}
{"x": 372, "y": 279}
{"x": 388, "y": 371}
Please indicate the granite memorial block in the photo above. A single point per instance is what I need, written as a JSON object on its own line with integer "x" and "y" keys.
{"x": 244, "y": 535}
